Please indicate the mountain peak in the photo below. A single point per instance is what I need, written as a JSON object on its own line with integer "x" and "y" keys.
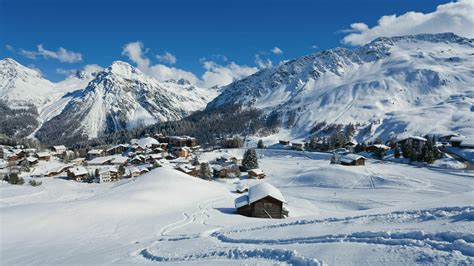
{"x": 123, "y": 69}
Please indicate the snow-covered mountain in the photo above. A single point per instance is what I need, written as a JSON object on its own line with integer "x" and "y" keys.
{"x": 123, "y": 97}
{"x": 415, "y": 84}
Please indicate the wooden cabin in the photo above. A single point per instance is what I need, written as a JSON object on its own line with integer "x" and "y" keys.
{"x": 59, "y": 149}
{"x": 226, "y": 171}
{"x": 456, "y": 141}
{"x": 256, "y": 173}
{"x": 183, "y": 152}
{"x": 77, "y": 173}
{"x": 191, "y": 142}
{"x": 352, "y": 159}
{"x": 299, "y": 146}
{"x": 262, "y": 201}
{"x": 376, "y": 147}
{"x": 43, "y": 156}
{"x": 284, "y": 142}
{"x": 416, "y": 141}
{"x": 94, "y": 153}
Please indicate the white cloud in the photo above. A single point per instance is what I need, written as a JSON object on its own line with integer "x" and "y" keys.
{"x": 134, "y": 51}
{"x": 262, "y": 63}
{"x": 219, "y": 75}
{"x": 92, "y": 68}
{"x": 277, "y": 50}
{"x": 314, "y": 46}
{"x": 62, "y": 54}
{"x": 9, "y": 48}
{"x": 456, "y": 17}
{"x": 215, "y": 74}
{"x": 167, "y": 58}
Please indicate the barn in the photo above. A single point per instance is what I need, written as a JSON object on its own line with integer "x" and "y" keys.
{"x": 352, "y": 159}
{"x": 262, "y": 201}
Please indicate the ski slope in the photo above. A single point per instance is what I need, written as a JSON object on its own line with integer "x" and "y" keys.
{"x": 379, "y": 213}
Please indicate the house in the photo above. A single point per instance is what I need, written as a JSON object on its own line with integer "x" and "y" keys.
{"x": 117, "y": 149}
{"x": 177, "y": 142}
{"x": 256, "y": 173}
{"x": 456, "y": 141}
{"x": 228, "y": 170}
{"x": 144, "y": 143}
{"x": 191, "y": 142}
{"x": 187, "y": 169}
{"x": 132, "y": 172}
{"x": 152, "y": 158}
{"x": 100, "y": 161}
{"x": 352, "y": 159}
{"x": 59, "y": 170}
{"x": 43, "y": 156}
{"x": 94, "y": 153}
{"x": 350, "y": 145}
{"x": 12, "y": 157}
{"x": 108, "y": 175}
{"x": 31, "y": 160}
{"x": 78, "y": 161}
{"x": 447, "y": 137}
{"x": 413, "y": 140}
{"x": 78, "y": 173}
{"x": 138, "y": 159}
{"x": 377, "y": 147}
{"x": 284, "y": 142}
{"x": 182, "y": 152}
{"x": 299, "y": 146}
{"x": 262, "y": 201}
{"x": 59, "y": 149}
{"x": 237, "y": 161}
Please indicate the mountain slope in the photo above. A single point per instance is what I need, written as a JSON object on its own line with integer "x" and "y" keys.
{"x": 415, "y": 84}
{"x": 122, "y": 97}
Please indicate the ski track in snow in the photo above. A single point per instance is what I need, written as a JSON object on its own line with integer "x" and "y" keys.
{"x": 441, "y": 241}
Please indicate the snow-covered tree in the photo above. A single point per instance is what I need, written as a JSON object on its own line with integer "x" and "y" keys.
{"x": 204, "y": 171}
{"x": 250, "y": 160}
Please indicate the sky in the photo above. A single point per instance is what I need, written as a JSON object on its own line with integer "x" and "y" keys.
{"x": 209, "y": 42}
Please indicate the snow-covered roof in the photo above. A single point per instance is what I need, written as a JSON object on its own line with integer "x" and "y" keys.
{"x": 351, "y": 157}
{"x": 241, "y": 188}
{"x": 43, "y": 154}
{"x": 108, "y": 169}
{"x": 381, "y": 146}
{"x": 241, "y": 201}
{"x": 459, "y": 138}
{"x": 257, "y": 171}
{"x": 31, "y": 159}
{"x": 95, "y": 151}
{"x": 100, "y": 160}
{"x": 79, "y": 170}
{"x": 133, "y": 170}
{"x": 412, "y": 137}
{"x": 155, "y": 156}
{"x": 145, "y": 142}
{"x": 118, "y": 146}
{"x": 217, "y": 168}
{"x": 262, "y": 190}
{"x": 60, "y": 147}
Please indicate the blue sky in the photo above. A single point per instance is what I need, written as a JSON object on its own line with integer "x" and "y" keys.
{"x": 95, "y": 32}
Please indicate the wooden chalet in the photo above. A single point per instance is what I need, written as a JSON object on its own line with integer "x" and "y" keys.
{"x": 413, "y": 140}
{"x": 352, "y": 159}
{"x": 284, "y": 142}
{"x": 256, "y": 173}
{"x": 297, "y": 146}
{"x": 43, "y": 156}
{"x": 117, "y": 149}
{"x": 228, "y": 170}
{"x": 262, "y": 201}
{"x": 183, "y": 152}
{"x": 456, "y": 141}
{"x": 376, "y": 147}
{"x": 94, "y": 153}
{"x": 58, "y": 150}
{"x": 78, "y": 173}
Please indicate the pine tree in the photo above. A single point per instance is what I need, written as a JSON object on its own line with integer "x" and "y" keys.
{"x": 260, "y": 144}
{"x": 204, "y": 171}
{"x": 250, "y": 160}
{"x": 121, "y": 170}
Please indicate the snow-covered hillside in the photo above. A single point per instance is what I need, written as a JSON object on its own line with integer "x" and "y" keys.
{"x": 122, "y": 97}
{"x": 380, "y": 213}
{"x": 415, "y": 84}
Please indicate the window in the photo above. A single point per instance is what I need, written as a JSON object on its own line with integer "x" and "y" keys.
{"x": 267, "y": 205}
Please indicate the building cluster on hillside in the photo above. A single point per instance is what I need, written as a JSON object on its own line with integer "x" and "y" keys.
{"x": 99, "y": 164}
